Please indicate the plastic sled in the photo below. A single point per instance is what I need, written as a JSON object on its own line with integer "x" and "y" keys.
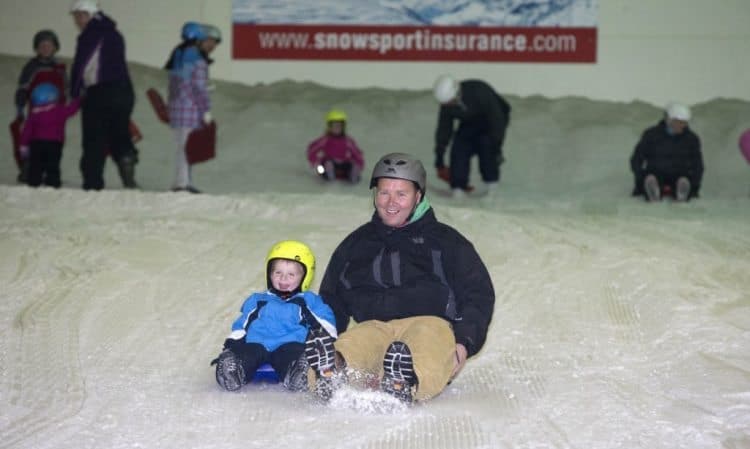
{"x": 15, "y": 137}
{"x": 201, "y": 144}
{"x": 444, "y": 173}
{"x": 135, "y": 135}
{"x": 158, "y": 104}
{"x": 265, "y": 374}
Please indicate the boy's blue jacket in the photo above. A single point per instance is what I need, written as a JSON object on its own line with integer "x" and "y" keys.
{"x": 272, "y": 321}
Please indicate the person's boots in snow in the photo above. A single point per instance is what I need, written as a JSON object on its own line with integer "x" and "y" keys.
{"x": 652, "y": 188}
{"x": 229, "y": 371}
{"x": 399, "y": 379}
{"x": 296, "y": 377}
{"x": 321, "y": 357}
{"x": 126, "y": 168}
{"x": 683, "y": 189}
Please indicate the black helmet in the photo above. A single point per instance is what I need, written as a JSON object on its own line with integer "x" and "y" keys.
{"x": 46, "y": 35}
{"x": 400, "y": 166}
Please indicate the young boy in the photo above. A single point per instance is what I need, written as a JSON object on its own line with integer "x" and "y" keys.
{"x": 42, "y": 68}
{"x": 274, "y": 324}
{"x": 335, "y": 155}
{"x": 43, "y": 135}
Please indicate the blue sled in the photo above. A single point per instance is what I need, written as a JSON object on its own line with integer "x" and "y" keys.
{"x": 266, "y": 374}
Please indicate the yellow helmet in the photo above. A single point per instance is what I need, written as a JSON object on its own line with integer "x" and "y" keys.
{"x": 298, "y": 252}
{"x": 335, "y": 115}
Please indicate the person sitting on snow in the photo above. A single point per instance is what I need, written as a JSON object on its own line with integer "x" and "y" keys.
{"x": 335, "y": 155}
{"x": 273, "y": 325}
{"x": 668, "y": 158}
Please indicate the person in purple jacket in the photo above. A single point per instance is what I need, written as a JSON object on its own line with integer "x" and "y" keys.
{"x": 100, "y": 75}
{"x": 43, "y": 135}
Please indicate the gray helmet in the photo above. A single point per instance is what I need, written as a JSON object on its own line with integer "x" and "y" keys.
{"x": 400, "y": 166}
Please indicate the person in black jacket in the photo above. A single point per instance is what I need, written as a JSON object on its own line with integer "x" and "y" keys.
{"x": 420, "y": 294}
{"x": 668, "y": 158}
{"x": 483, "y": 117}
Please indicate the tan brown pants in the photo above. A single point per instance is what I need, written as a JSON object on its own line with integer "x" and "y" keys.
{"x": 430, "y": 339}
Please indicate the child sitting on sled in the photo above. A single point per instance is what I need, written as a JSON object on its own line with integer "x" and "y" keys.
{"x": 273, "y": 325}
{"x": 335, "y": 155}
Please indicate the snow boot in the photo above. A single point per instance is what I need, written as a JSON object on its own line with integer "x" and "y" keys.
{"x": 296, "y": 376}
{"x": 229, "y": 371}
{"x": 126, "y": 168}
{"x": 683, "y": 189}
{"x": 652, "y": 188}
{"x": 321, "y": 355}
{"x": 399, "y": 379}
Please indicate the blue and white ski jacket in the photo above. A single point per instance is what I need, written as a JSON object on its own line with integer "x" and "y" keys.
{"x": 271, "y": 321}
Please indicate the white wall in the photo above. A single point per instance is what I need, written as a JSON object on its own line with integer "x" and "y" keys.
{"x": 651, "y": 50}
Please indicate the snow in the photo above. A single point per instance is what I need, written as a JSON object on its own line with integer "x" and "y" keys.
{"x": 618, "y": 324}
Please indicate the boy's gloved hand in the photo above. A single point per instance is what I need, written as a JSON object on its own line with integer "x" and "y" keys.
{"x": 207, "y": 117}
{"x": 24, "y": 151}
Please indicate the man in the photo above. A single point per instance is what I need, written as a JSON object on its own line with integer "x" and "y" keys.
{"x": 100, "y": 74}
{"x": 421, "y": 296}
{"x": 483, "y": 117}
{"x": 668, "y": 158}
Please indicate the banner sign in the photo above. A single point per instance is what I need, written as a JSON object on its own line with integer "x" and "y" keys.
{"x": 500, "y": 30}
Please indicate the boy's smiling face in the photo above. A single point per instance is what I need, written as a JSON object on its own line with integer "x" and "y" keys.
{"x": 286, "y": 275}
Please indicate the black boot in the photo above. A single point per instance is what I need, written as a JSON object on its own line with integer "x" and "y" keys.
{"x": 126, "y": 168}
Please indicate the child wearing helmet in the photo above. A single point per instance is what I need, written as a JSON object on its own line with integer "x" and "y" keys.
{"x": 188, "y": 101}
{"x": 335, "y": 155}
{"x": 43, "y": 135}
{"x": 273, "y": 324}
{"x": 42, "y": 68}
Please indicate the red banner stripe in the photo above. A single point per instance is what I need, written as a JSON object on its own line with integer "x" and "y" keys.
{"x": 411, "y": 43}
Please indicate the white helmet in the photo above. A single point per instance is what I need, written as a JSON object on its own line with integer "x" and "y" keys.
{"x": 445, "y": 88}
{"x": 89, "y": 6}
{"x": 678, "y": 111}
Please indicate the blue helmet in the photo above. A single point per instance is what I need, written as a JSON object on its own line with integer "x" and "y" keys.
{"x": 44, "y": 94}
{"x": 193, "y": 31}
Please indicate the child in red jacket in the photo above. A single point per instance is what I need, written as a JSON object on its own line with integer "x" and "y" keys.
{"x": 335, "y": 155}
{"x": 43, "y": 135}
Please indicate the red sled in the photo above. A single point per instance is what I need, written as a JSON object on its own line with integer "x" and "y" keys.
{"x": 15, "y": 137}
{"x": 201, "y": 144}
{"x": 444, "y": 173}
{"x": 157, "y": 102}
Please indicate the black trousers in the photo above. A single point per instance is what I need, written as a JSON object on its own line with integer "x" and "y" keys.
{"x": 253, "y": 355}
{"x": 105, "y": 117}
{"x": 470, "y": 141}
{"x": 44, "y": 163}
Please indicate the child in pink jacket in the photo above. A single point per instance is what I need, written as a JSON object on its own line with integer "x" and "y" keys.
{"x": 335, "y": 155}
{"x": 43, "y": 135}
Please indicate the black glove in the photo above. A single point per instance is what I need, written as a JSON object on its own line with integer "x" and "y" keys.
{"x": 234, "y": 345}
{"x": 20, "y": 115}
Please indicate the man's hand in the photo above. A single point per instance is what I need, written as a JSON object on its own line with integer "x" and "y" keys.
{"x": 461, "y": 355}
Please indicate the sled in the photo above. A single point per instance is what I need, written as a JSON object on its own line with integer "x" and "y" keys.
{"x": 15, "y": 137}
{"x": 158, "y": 104}
{"x": 201, "y": 144}
{"x": 444, "y": 173}
{"x": 265, "y": 374}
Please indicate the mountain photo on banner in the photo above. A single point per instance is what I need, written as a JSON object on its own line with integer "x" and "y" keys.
{"x": 416, "y": 30}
